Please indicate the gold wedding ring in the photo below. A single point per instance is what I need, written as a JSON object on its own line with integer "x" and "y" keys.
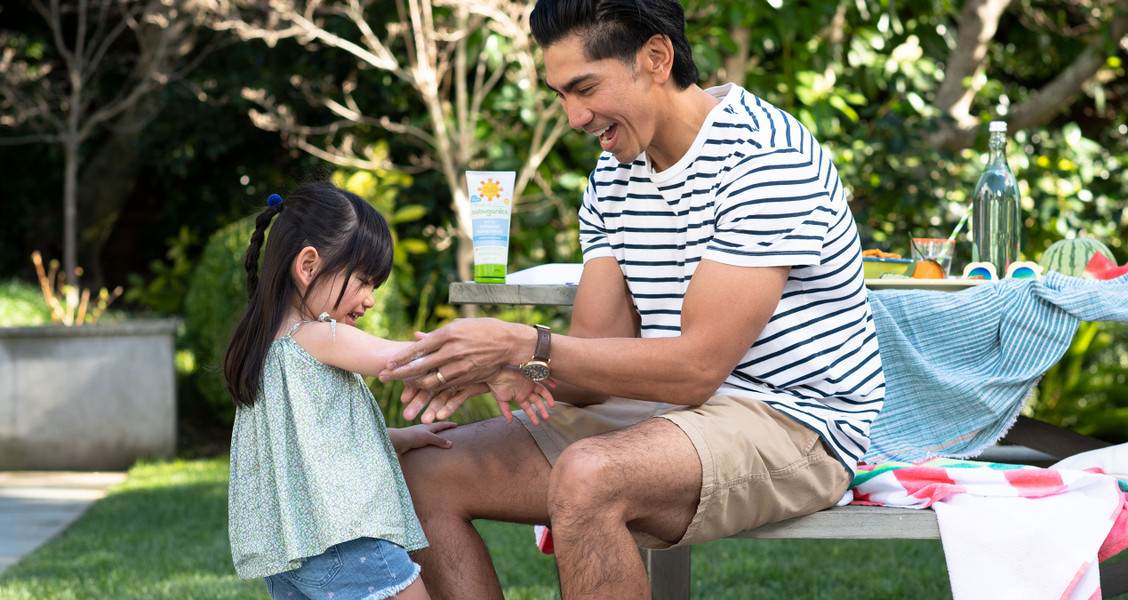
{"x": 439, "y": 374}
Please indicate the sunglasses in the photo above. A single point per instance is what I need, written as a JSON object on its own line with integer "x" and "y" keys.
{"x": 1016, "y": 270}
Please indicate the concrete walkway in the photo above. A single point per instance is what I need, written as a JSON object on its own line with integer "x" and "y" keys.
{"x": 35, "y": 506}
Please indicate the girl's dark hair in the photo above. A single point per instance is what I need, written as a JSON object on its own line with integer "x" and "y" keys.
{"x": 350, "y": 237}
{"x": 616, "y": 29}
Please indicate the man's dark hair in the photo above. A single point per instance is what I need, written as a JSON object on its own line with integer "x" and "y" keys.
{"x": 616, "y": 29}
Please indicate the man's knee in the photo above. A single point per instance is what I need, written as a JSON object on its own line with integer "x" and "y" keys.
{"x": 584, "y": 475}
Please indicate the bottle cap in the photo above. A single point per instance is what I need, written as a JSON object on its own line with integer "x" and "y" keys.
{"x": 998, "y": 126}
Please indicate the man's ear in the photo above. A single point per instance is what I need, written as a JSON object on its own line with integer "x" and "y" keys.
{"x": 305, "y": 265}
{"x": 658, "y": 57}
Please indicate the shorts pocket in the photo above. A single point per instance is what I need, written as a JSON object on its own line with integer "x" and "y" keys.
{"x": 316, "y": 571}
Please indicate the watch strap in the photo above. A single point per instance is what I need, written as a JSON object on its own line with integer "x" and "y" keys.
{"x": 544, "y": 343}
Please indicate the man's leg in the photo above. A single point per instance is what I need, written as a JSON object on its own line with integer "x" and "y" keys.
{"x": 493, "y": 470}
{"x": 647, "y": 478}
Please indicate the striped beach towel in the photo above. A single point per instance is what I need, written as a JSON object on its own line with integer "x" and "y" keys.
{"x": 1010, "y": 531}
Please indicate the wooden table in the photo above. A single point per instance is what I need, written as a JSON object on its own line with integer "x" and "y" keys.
{"x": 468, "y": 292}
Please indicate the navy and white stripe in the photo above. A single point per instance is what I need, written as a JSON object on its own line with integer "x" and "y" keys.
{"x": 754, "y": 190}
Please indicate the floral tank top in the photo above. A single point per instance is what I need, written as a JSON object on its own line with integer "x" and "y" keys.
{"x": 312, "y": 467}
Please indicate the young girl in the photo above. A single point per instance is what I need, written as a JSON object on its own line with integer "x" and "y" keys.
{"x": 318, "y": 505}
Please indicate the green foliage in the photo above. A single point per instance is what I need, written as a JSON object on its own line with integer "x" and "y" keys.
{"x": 166, "y": 290}
{"x": 864, "y": 84}
{"x": 216, "y": 297}
{"x": 22, "y": 305}
{"x": 1087, "y": 390}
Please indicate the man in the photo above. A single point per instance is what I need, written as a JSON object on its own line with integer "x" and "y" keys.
{"x": 722, "y": 292}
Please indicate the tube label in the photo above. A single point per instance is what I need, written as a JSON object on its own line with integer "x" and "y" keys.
{"x": 491, "y": 204}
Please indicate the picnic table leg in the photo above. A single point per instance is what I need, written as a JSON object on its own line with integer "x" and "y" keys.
{"x": 669, "y": 573}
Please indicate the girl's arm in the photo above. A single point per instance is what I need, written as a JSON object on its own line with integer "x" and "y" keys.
{"x": 348, "y": 347}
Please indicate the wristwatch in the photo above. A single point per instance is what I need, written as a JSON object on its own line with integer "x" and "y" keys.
{"x": 536, "y": 368}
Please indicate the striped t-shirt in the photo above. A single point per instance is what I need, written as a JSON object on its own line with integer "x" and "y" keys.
{"x": 754, "y": 190}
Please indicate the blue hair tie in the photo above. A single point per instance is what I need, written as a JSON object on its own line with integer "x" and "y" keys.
{"x": 274, "y": 200}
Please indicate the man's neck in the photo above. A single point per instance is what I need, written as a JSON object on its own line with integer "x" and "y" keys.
{"x": 679, "y": 125}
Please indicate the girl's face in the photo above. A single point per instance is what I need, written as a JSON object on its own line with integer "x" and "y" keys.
{"x": 356, "y": 300}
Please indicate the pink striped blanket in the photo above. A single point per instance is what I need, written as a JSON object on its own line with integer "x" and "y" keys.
{"x": 1010, "y": 531}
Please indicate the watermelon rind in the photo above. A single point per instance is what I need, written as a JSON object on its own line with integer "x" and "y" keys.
{"x": 1070, "y": 257}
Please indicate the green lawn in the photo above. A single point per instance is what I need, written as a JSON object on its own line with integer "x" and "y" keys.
{"x": 163, "y": 534}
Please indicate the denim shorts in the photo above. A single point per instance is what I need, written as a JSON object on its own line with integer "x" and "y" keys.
{"x": 364, "y": 568}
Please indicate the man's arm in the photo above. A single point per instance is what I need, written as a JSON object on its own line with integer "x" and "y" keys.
{"x": 724, "y": 311}
{"x": 603, "y": 308}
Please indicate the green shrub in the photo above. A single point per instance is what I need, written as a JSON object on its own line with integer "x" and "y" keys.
{"x": 22, "y": 305}
{"x": 166, "y": 290}
{"x": 216, "y": 297}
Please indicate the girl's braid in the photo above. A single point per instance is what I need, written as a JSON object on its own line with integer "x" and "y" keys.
{"x": 251, "y": 262}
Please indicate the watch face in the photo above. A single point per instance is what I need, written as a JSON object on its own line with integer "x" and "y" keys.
{"x": 535, "y": 370}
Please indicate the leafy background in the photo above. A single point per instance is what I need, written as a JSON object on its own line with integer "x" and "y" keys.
{"x": 861, "y": 75}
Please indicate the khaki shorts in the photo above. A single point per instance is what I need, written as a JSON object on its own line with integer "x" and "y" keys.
{"x": 757, "y": 465}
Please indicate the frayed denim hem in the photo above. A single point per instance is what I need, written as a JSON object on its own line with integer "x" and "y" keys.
{"x": 391, "y": 591}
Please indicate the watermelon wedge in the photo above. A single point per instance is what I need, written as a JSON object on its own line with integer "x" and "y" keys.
{"x": 1101, "y": 267}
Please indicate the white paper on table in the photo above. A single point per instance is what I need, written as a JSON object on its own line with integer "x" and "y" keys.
{"x": 547, "y": 274}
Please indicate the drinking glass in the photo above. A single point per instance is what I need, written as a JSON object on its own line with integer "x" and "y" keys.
{"x": 939, "y": 250}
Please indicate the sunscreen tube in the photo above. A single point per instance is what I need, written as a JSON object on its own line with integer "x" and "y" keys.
{"x": 491, "y": 203}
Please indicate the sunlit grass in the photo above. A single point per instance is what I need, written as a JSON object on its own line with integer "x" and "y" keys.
{"x": 163, "y": 534}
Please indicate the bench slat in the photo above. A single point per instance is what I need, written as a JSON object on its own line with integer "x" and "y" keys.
{"x": 669, "y": 570}
{"x": 853, "y": 522}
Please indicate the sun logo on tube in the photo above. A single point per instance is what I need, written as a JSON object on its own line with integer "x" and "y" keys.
{"x": 490, "y": 190}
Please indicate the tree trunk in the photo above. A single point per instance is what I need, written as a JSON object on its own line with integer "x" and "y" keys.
{"x": 107, "y": 180}
{"x": 72, "y": 148}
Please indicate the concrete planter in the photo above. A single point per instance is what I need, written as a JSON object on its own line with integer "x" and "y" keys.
{"x": 95, "y": 397}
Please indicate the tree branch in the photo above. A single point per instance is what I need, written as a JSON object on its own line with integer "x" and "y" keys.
{"x": 979, "y": 21}
{"x": 978, "y": 24}
{"x": 1047, "y": 102}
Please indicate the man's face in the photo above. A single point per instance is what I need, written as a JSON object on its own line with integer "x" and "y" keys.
{"x": 606, "y": 98}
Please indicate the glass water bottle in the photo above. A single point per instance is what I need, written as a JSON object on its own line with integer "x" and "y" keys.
{"x": 995, "y": 214}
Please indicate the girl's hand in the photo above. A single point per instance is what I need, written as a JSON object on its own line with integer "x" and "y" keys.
{"x": 441, "y": 404}
{"x": 509, "y": 385}
{"x": 418, "y": 436}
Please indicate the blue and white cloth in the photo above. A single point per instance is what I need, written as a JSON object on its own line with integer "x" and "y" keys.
{"x": 959, "y": 366}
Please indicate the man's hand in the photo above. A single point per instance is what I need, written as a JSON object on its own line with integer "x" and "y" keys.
{"x": 462, "y": 352}
{"x": 418, "y": 436}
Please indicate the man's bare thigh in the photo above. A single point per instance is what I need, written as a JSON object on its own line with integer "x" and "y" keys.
{"x": 654, "y": 468}
{"x": 493, "y": 470}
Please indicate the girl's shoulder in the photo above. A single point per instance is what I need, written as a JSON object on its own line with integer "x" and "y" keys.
{"x": 300, "y": 339}
{"x": 287, "y": 350}
{"x": 326, "y": 340}
{"x": 323, "y": 329}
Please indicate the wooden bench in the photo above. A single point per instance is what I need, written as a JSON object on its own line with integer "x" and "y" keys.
{"x": 670, "y": 569}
